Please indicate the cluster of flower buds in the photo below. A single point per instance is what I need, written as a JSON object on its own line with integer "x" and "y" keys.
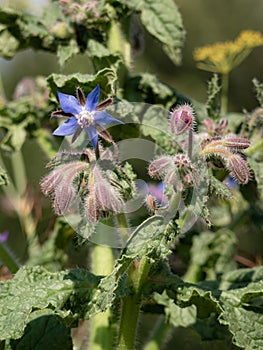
{"x": 229, "y": 150}
{"x": 215, "y": 129}
{"x": 177, "y": 170}
{"x": 79, "y": 181}
{"x": 80, "y": 11}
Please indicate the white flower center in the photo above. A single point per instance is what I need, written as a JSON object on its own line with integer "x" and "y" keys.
{"x": 85, "y": 118}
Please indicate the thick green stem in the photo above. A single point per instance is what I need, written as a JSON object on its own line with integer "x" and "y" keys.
{"x": 101, "y": 332}
{"x": 138, "y": 273}
{"x": 224, "y": 93}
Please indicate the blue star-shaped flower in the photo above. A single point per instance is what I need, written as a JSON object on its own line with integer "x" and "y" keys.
{"x": 84, "y": 113}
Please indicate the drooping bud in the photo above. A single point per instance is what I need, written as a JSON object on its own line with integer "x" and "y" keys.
{"x": 209, "y": 124}
{"x": 236, "y": 142}
{"x": 222, "y": 125}
{"x": 182, "y": 119}
{"x": 238, "y": 168}
{"x": 158, "y": 168}
{"x": 105, "y": 195}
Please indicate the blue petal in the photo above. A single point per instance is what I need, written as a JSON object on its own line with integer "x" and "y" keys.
{"x": 93, "y": 99}
{"x": 93, "y": 135}
{"x": 103, "y": 118}
{"x": 69, "y": 103}
{"x": 67, "y": 128}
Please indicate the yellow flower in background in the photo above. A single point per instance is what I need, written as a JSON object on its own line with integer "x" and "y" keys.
{"x": 222, "y": 57}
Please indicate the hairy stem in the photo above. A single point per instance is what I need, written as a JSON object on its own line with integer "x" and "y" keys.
{"x": 137, "y": 275}
{"x": 224, "y": 93}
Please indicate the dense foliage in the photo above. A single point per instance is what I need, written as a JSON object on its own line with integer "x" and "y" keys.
{"x": 149, "y": 200}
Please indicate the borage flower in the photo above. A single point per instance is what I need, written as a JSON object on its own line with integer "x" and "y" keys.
{"x": 84, "y": 113}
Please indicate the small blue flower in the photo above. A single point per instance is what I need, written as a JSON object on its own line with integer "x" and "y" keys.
{"x": 83, "y": 113}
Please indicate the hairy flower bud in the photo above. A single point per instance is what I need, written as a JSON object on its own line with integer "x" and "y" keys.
{"x": 238, "y": 168}
{"x": 182, "y": 119}
{"x": 159, "y": 166}
{"x": 222, "y": 125}
{"x": 209, "y": 124}
{"x": 236, "y": 142}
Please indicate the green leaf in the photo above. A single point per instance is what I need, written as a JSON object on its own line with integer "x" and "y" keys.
{"x": 155, "y": 122}
{"x": 3, "y": 177}
{"x": 69, "y": 83}
{"x": 211, "y": 255}
{"x": 66, "y": 293}
{"x": 151, "y": 90}
{"x": 147, "y": 240}
{"x": 246, "y": 327}
{"x": 8, "y": 15}
{"x": 258, "y": 172}
{"x": 163, "y": 21}
{"x": 175, "y": 315}
{"x": 100, "y": 55}
{"x": 219, "y": 188}
{"x": 241, "y": 278}
{"x": 44, "y": 328}
{"x": 65, "y": 52}
{"x": 242, "y": 305}
{"x": 208, "y": 328}
{"x": 8, "y": 44}
{"x": 25, "y": 30}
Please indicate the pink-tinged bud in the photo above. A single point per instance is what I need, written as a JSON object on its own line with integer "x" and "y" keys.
{"x": 236, "y": 142}
{"x": 91, "y": 211}
{"x": 182, "y": 161}
{"x": 106, "y": 197}
{"x": 64, "y": 197}
{"x": 159, "y": 167}
{"x": 209, "y": 124}
{"x": 182, "y": 119}
{"x": 238, "y": 168}
{"x": 50, "y": 182}
{"x": 222, "y": 125}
